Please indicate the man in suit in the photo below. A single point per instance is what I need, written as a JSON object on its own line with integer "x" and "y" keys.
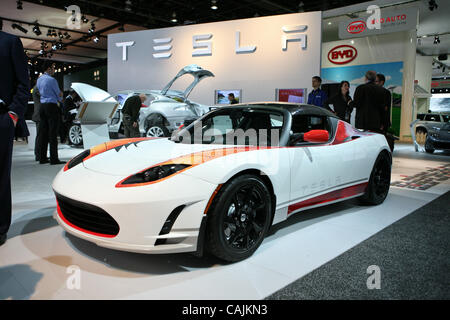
{"x": 14, "y": 93}
{"x": 49, "y": 114}
{"x": 380, "y": 80}
{"x": 35, "y": 117}
{"x": 369, "y": 102}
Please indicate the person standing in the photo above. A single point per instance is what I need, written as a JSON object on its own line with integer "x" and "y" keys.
{"x": 317, "y": 97}
{"x": 342, "y": 102}
{"x": 14, "y": 93}
{"x": 67, "y": 117}
{"x": 49, "y": 114}
{"x": 380, "y": 80}
{"x": 369, "y": 104}
{"x": 35, "y": 117}
{"x": 130, "y": 113}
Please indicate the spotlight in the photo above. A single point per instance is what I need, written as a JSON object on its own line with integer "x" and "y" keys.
{"x": 437, "y": 40}
{"x": 19, "y": 5}
{"x": 84, "y": 19}
{"x": 41, "y": 51}
{"x": 60, "y": 35}
{"x": 432, "y": 5}
{"x": 19, "y": 27}
{"x": 66, "y": 35}
{"x": 54, "y": 47}
{"x": 36, "y": 30}
{"x": 128, "y": 4}
{"x": 214, "y": 5}
{"x": 96, "y": 39}
{"x": 174, "y": 18}
{"x": 92, "y": 28}
{"x": 49, "y": 32}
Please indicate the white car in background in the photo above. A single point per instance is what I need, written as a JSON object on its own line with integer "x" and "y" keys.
{"x": 165, "y": 110}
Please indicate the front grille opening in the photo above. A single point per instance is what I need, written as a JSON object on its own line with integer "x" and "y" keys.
{"x": 87, "y": 217}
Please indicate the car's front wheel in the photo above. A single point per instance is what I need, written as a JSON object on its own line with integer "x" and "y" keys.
{"x": 238, "y": 218}
{"x": 379, "y": 182}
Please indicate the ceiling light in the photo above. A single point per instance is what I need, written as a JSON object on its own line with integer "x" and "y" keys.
{"x": 92, "y": 28}
{"x": 84, "y": 19}
{"x": 96, "y": 39}
{"x": 19, "y": 27}
{"x": 128, "y": 4}
{"x": 329, "y": 23}
{"x": 66, "y": 35}
{"x": 214, "y": 5}
{"x": 432, "y": 5}
{"x": 437, "y": 40}
{"x": 60, "y": 35}
{"x": 36, "y": 30}
{"x": 19, "y": 5}
{"x": 174, "y": 18}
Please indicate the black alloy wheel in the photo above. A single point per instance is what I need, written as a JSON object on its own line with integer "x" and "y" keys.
{"x": 239, "y": 218}
{"x": 380, "y": 180}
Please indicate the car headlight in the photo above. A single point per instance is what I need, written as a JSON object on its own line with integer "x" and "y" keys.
{"x": 434, "y": 134}
{"x": 152, "y": 174}
{"x": 77, "y": 160}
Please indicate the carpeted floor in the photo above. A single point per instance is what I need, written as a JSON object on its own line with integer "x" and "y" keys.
{"x": 413, "y": 256}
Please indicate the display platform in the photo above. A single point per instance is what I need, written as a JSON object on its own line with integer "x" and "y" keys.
{"x": 40, "y": 260}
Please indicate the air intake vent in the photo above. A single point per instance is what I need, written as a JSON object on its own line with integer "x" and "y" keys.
{"x": 87, "y": 218}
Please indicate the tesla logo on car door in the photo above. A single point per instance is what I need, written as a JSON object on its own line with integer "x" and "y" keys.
{"x": 356, "y": 27}
{"x": 342, "y": 54}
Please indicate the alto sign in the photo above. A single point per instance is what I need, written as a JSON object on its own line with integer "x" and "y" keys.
{"x": 379, "y": 21}
{"x": 342, "y": 54}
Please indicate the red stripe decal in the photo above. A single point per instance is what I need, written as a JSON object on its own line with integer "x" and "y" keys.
{"x": 330, "y": 196}
{"x": 60, "y": 214}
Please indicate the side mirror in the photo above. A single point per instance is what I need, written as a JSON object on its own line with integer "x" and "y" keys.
{"x": 317, "y": 136}
{"x": 295, "y": 138}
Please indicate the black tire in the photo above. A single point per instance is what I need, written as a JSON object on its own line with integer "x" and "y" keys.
{"x": 75, "y": 135}
{"x": 243, "y": 204}
{"x": 429, "y": 147}
{"x": 154, "y": 126}
{"x": 379, "y": 182}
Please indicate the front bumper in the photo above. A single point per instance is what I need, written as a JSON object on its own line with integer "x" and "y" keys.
{"x": 140, "y": 212}
{"x": 437, "y": 143}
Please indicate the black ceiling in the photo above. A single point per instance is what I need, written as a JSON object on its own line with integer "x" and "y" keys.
{"x": 159, "y": 13}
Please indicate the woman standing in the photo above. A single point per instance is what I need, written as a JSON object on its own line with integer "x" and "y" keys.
{"x": 342, "y": 102}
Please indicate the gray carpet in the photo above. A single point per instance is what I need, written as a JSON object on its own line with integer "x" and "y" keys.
{"x": 413, "y": 255}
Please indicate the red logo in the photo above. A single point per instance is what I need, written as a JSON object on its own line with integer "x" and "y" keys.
{"x": 356, "y": 27}
{"x": 342, "y": 54}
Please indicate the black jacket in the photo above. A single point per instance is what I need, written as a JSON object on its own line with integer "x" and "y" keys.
{"x": 340, "y": 106}
{"x": 132, "y": 107}
{"x": 387, "y": 112}
{"x": 369, "y": 102}
{"x": 14, "y": 80}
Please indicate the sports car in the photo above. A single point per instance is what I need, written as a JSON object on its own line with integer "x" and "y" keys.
{"x": 220, "y": 183}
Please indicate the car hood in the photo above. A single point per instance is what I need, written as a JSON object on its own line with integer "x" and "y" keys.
{"x": 133, "y": 157}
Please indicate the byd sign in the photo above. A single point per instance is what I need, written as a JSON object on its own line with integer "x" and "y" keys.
{"x": 342, "y": 54}
{"x": 356, "y": 27}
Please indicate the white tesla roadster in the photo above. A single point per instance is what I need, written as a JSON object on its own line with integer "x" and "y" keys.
{"x": 220, "y": 183}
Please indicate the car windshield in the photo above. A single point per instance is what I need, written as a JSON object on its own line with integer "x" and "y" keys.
{"x": 235, "y": 126}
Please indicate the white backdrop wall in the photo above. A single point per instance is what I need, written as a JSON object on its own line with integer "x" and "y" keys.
{"x": 258, "y": 74}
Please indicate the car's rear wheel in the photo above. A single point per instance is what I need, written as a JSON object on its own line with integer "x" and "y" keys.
{"x": 155, "y": 127}
{"x": 238, "y": 218}
{"x": 75, "y": 135}
{"x": 379, "y": 182}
